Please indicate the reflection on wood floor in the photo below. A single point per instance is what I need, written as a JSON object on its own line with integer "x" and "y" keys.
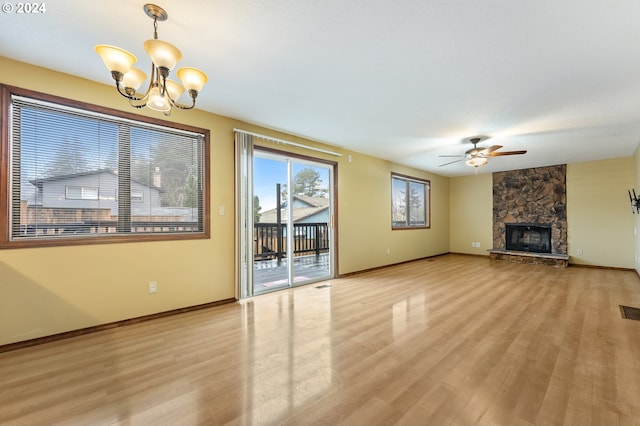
{"x": 271, "y": 274}
{"x": 453, "y": 340}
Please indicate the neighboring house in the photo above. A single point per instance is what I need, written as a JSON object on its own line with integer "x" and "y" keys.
{"x": 305, "y": 210}
{"x": 96, "y": 189}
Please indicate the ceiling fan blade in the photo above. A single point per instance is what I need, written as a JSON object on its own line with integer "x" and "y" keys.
{"x": 450, "y": 162}
{"x": 489, "y": 150}
{"x": 498, "y": 154}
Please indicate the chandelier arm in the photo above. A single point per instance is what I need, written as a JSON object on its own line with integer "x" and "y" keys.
{"x": 117, "y": 77}
{"x": 119, "y": 89}
{"x": 163, "y": 73}
{"x": 126, "y": 92}
{"x": 138, "y": 106}
{"x": 151, "y": 79}
{"x": 144, "y": 97}
{"x": 183, "y": 106}
{"x": 193, "y": 94}
{"x": 129, "y": 93}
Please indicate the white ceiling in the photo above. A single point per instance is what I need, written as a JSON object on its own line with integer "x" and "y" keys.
{"x": 404, "y": 80}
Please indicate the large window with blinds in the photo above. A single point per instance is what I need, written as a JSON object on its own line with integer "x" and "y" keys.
{"x": 80, "y": 174}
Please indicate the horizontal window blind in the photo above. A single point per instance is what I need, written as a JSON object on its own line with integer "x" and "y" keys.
{"x": 81, "y": 174}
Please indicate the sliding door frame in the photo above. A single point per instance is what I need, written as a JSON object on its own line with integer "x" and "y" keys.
{"x": 244, "y": 217}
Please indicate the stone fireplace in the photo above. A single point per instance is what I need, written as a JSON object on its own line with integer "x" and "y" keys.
{"x": 533, "y": 203}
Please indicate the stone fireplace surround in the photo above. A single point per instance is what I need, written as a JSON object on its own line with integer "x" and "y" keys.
{"x": 536, "y": 195}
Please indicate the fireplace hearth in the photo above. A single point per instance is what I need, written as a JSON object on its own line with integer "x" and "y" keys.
{"x": 528, "y": 237}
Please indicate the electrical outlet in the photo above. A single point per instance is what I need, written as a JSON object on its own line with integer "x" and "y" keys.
{"x": 579, "y": 251}
{"x": 477, "y": 244}
{"x": 153, "y": 287}
{"x": 388, "y": 251}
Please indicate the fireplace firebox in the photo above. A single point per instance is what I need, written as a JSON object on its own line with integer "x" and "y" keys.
{"x": 529, "y": 237}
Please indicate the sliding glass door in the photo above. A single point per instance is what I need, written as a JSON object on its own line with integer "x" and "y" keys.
{"x": 270, "y": 218}
{"x": 310, "y": 211}
{"x": 292, "y": 212}
{"x": 286, "y": 221}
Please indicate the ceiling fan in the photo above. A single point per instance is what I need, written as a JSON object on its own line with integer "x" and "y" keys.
{"x": 479, "y": 156}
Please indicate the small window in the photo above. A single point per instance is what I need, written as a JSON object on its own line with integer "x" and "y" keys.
{"x": 409, "y": 202}
{"x": 81, "y": 193}
{"x": 137, "y": 196}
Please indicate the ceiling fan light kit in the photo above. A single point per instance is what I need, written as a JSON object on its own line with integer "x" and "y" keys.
{"x": 162, "y": 93}
{"x": 476, "y": 161}
{"x": 479, "y": 156}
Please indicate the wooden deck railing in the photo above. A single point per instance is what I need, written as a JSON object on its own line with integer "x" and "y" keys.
{"x": 270, "y": 241}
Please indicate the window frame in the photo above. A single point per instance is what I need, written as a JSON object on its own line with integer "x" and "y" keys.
{"x": 427, "y": 202}
{"x": 6, "y": 166}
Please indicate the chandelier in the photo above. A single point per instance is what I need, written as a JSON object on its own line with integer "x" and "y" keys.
{"x": 162, "y": 93}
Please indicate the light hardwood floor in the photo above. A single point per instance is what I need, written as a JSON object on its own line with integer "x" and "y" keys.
{"x": 453, "y": 340}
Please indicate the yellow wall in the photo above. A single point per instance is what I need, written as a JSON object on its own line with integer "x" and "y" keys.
{"x": 600, "y": 222}
{"x": 365, "y": 232}
{"x": 471, "y": 213}
{"x": 636, "y": 219}
{"x": 46, "y": 291}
